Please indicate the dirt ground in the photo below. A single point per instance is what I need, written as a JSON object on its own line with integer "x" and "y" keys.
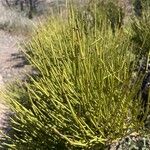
{"x": 12, "y": 67}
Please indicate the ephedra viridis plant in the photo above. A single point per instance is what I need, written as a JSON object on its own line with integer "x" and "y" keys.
{"x": 81, "y": 96}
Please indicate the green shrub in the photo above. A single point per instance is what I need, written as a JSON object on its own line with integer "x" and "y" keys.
{"x": 81, "y": 97}
{"x": 141, "y": 34}
{"x": 140, "y": 31}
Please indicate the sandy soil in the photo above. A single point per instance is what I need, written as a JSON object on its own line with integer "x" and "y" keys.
{"x": 12, "y": 67}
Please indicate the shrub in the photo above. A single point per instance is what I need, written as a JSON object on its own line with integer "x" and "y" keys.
{"x": 15, "y": 22}
{"x": 81, "y": 97}
{"x": 31, "y": 8}
{"x": 141, "y": 34}
{"x": 141, "y": 48}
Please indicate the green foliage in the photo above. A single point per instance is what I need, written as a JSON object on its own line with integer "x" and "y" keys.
{"x": 81, "y": 97}
{"x": 141, "y": 34}
{"x": 140, "y": 30}
{"x": 106, "y": 10}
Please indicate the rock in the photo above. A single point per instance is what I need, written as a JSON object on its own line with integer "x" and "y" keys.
{"x": 132, "y": 142}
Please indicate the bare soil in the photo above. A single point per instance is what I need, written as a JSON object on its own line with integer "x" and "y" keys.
{"x": 12, "y": 67}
